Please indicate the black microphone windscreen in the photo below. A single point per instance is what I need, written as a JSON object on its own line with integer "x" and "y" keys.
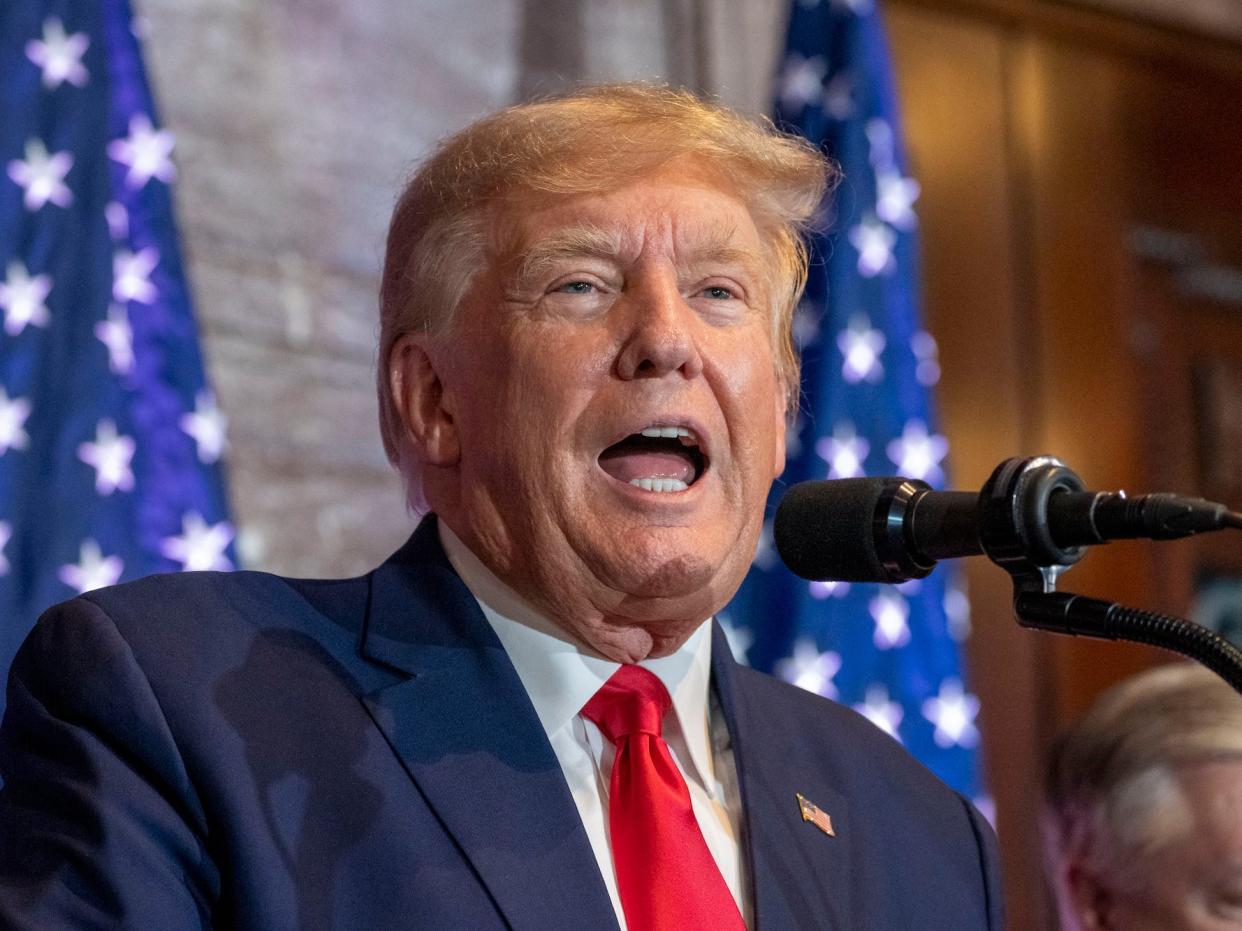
{"x": 823, "y": 530}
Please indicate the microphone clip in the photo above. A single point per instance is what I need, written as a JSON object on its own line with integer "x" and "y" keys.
{"x": 1013, "y": 521}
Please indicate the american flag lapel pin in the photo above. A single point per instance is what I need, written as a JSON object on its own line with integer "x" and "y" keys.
{"x": 814, "y": 814}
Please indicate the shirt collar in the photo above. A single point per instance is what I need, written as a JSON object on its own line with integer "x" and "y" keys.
{"x": 560, "y": 673}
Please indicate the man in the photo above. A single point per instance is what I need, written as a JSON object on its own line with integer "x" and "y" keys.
{"x": 1143, "y": 816}
{"x": 526, "y": 717}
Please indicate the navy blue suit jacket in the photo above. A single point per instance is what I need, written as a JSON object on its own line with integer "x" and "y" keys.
{"x": 242, "y": 750}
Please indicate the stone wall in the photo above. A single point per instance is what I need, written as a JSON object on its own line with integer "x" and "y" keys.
{"x": 296, "y": 121}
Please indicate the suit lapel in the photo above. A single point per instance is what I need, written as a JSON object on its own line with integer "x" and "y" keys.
{"x": 800, "y": 876}
{"x": 468, "y": 736}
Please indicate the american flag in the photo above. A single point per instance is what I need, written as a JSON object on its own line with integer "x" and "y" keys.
{"x": 815, "y": 815}
{"x": 110, "y": 439}
{"x": 894, "y": 653}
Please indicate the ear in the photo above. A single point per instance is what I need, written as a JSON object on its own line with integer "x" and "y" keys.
{"x": 1090, "y": 900}
{"x": 421, "y": 402}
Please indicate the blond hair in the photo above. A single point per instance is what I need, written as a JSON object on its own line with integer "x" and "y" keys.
{"x": 1112, "y": 795}
{"x": 590, "y": 140}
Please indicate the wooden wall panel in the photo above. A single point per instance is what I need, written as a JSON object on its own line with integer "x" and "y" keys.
{"x": 1067, "y": 102}
{"x": 952, "y": 77}
{"x": 1183, "y": 131}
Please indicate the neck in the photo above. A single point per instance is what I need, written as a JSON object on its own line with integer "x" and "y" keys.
{"x": 611, "y": 633}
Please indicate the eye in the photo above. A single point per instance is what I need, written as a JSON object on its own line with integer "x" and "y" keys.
{"x": 718, "y": 293}
{"x": 575, "y": 287}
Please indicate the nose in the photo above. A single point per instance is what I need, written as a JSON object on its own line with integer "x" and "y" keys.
{"x": 660, "y": 336}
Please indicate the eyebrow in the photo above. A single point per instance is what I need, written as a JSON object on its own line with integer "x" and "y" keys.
{"x": 589, "y": 241}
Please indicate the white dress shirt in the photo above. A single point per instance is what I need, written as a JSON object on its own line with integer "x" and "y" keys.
{"x": 560, "y": 675}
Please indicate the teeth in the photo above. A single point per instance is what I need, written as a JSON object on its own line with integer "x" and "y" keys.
{"x": 669, "y": 433}
{"x": 659, "y": 484}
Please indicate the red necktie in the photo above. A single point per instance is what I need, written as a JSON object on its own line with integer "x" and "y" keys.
{"x": 667, "y": 878}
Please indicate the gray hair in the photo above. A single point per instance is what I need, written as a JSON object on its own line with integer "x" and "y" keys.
{"x": 1112, "y": 793}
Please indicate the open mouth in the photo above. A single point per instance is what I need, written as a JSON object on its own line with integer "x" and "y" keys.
{"x": 659, "y": 458}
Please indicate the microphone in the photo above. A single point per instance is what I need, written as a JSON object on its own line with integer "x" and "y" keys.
{"x": 896, "y": 529}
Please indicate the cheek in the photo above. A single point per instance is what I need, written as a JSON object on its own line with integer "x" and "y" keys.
{"x": 756, "y": 396}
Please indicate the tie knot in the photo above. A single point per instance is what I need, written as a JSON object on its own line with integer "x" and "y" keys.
{"x": 633, "y": 701}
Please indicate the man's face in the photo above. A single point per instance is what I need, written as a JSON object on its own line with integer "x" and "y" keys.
{"x": 1194, "y": 882}
{"x": 611, "y": 382}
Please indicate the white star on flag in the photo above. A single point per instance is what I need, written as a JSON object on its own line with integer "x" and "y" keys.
{"x": 909, "y": 587}
{"x": 131, "y": 275}
{"x": 894, "y": 199}
{"x": 740, "y": 638}
{"x": 22, "y": 298}
{"x": 839, "y": 96}
{"x": 118, "y": 219}
{"x": 918, "y": 454}
{"x": 200, "y": 546}
{"x": 861, "y": 346}
{"x": 880, "y": 140}
{"x": 884, "y": 714}
{"x": 116, "y": 334}
{"x": 810, "y": 669}
{"x": 874, "y": 241}
{"x": 93, "y": 569}
{"x": 953, "y": 712}
{"x": 891, "y": 613}
{"x": 802, "y": 81}
{"x": 208, "y": 426}
{"x": 59, "y": 55}
{"x": 13, "y": 414}
{"x": 957, "y": 613}
{"x": 924, "y": 347}
{"x": 145, "y": 151}
{"x": 6, "y": 533}
{"x": 42, "y": 176}
{"x": 845, "y": 451}
{"x": 821, "y": 590}
{"x": 109, "y": 456}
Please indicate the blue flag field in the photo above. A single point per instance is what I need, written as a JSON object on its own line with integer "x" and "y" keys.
{"x": 110, "y": 439}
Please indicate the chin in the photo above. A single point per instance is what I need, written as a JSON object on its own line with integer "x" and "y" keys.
{"x": 666, "y": 572}
{"x": 671, "y": 598}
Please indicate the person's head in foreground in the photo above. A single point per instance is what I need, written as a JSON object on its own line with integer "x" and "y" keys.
{"x": 1143, "y": 819}
{"x": 586, "y": 354}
